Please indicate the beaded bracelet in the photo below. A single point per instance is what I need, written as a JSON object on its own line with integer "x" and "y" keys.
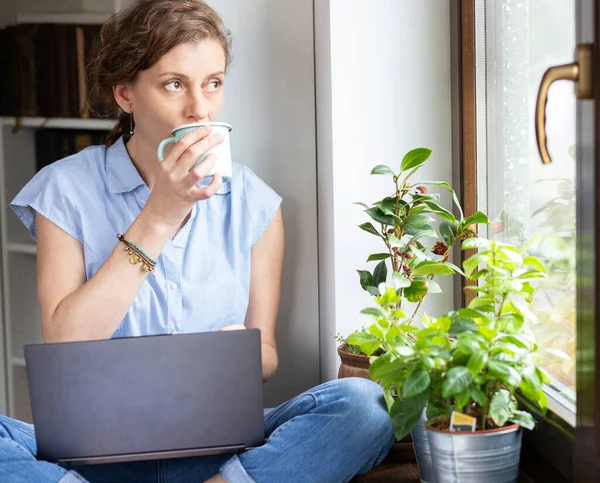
{"x": 137, "y": 255}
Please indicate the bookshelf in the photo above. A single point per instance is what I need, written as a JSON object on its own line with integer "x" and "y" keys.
{"x": 59, "y": 123}
{"x": 50, "y": 84}
{"x": 83, "y": 18}
{"x": 19, "y": 304}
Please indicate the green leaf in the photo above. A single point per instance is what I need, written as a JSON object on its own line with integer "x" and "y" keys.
{"x": 404, "y": 351}
{"x": 366, "y": 279}
{"x": 400, "y": 281}
{"x": 388, "y": 395}
{"x": 405, "y": 413}
{"x": 499, "y": 407}
{"x": 477, "y": 362}
{"x": 384, "y": 366}
{"x": 376, "y": 311}
{"x": 416, "y": 221}
{"x": 414, "y": 158}
{"x": 463, "y": 324}
{"x": 369, "y": 228}
{"x": 523, "y": 419}
{"x": 529, "y": 390}
{"x": 450, "y": 190}
{"x": 457, "y": 379}
{"x": 378, "y": 256}
{"x": 359, "y": 203}
{"x": 388, "y": 206}
{"x": 471, "y": 263}
{"x": 367, "y": 343}
{"x": 374, "y": 291}
{"x": 416, "y": 383}
{"x": 462, "y": 399}
{"x": 423, "y": 231}
{"x": 447, "y": 233}
{"x": 394, "y": 242}
{"x": 433, "y": 411}
{"x": 443, "y": 323}
{"x": 542, "y": 401}
{"x": 441, "y": 211}
{"x": 508, "y": 374}
{"x": 557, "y": 353}
{"x": 534, "y": 262}
{"x": 380, "y": 273}
{"x": 383, "y": 169}
{"x": 478, "y": 396}
{"x": 478, "y": 218}
{"x": 380, "y": 217}
{"x": 434, "y": 287}
{"x": 454, "y": 267}
{"x": 377, "y": 331}
{"x": 416, "y": 291}
{"x": 431, "y": 268}
{"x": 517, "y": 340}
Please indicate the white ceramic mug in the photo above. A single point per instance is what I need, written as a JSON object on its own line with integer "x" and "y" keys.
{"x": 222, "y": 151}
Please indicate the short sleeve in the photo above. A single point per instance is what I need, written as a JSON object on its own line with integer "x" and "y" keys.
{"x": 261, "y": 202}
{"x": 51, "y": 193}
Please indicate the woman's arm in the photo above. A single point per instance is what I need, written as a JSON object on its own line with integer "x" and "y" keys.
{"x": 75, "y": 309}
{"x": 265, "y": 288}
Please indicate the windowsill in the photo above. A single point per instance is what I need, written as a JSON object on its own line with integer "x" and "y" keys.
{"x": 560, "y": 403}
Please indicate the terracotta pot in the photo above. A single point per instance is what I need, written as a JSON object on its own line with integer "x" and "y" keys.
{"x": 353, "y": 365}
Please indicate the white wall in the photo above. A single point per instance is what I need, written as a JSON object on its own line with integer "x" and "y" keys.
{"x": 383, "y": 88}
{"x": 270, "y": 103}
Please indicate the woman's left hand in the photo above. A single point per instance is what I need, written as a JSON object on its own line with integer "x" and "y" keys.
{"x": 234, "y": 327}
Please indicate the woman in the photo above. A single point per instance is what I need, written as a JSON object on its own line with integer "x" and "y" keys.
{"x": 216, "y": 252}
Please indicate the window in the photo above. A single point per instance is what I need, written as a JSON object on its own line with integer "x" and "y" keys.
{"x": 528, "y": 202}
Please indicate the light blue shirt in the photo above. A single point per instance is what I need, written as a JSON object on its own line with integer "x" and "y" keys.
{"x": 202, "y": 276}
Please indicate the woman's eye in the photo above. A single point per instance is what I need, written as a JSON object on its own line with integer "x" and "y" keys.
{"x": 173, "y": 86}
{"x": 214, "y": 85}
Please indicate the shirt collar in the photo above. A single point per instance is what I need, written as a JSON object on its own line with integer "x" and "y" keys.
{"x": 123, "y": 176}
{"x": 120, "y": 170}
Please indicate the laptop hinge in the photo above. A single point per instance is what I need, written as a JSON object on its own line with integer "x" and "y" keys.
{"x": 153, "y": 455}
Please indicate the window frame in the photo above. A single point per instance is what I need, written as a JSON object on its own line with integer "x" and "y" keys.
{"x": 548, "y": 454}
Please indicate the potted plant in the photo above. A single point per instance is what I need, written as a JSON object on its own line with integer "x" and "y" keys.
{"x": 474, "y": 361}
{"x": 412, "y": 254}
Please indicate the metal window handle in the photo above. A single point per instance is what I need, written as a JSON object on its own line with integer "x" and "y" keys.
{"x": 579, "y": 72}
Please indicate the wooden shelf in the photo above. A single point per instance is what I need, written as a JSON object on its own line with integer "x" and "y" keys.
{"x": 85, "y": 18}
{"x": 29, "y": 248}
{"x": 60, "y": 123}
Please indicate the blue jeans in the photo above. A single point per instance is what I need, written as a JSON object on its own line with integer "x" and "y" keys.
{"x": 329, "y": 434}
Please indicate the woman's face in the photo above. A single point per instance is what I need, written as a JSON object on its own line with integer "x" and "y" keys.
{"x": 184, "y": 86}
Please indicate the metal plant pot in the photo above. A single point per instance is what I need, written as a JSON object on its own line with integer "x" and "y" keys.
{"x": 490, "y": 456}
{"x": 422, "y": 450}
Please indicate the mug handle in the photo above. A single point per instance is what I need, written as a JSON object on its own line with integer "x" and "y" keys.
{"x": 161, "y": 147}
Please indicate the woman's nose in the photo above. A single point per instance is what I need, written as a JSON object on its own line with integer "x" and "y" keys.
{"x": 197, "y": 107}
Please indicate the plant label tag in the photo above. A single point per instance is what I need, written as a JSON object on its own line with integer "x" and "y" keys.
{"x": 462, "y": 422}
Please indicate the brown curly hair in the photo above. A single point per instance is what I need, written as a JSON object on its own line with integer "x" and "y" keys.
{"x": 134, "y": 39}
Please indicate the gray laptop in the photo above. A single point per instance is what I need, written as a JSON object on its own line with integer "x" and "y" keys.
{"x": 152, "y": 397}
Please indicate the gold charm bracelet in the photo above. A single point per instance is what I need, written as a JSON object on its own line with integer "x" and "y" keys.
{"x": 137, "y": 255}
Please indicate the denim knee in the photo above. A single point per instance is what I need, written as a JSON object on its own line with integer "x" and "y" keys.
{"x": 364, "y": 407}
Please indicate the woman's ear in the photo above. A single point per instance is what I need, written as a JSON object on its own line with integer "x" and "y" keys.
{"x": 123, "y": 96}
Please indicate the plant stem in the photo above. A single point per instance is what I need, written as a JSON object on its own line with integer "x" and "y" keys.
{"x": 410, "y": 321}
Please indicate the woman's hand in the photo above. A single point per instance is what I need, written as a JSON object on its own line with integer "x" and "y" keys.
{"x": 234, "y": 327}
{"x": 175, "y": 191}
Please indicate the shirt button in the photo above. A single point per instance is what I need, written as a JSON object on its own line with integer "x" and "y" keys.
{"x": 173, "y": 286}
